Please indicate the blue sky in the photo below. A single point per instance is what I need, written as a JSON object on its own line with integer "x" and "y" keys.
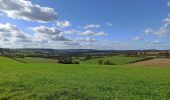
{"x": 85, "y": 24}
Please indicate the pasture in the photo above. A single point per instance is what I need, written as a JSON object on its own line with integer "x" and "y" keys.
{"x": 118, "y": 60}
{"x": 52, "y": 81}
{"x": 36, "y": 60}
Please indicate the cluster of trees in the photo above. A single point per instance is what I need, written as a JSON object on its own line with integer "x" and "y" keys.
{"x": 66, "y": 60}
{"x": 164, "y": 54}
{"x": 88, "y": 57}
{"x": 107, "y": 62}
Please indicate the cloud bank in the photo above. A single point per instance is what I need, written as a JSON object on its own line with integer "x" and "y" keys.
{"x": 25, "y": 10}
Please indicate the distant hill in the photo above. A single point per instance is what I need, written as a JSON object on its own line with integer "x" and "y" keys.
{"x": 57, "y": 52}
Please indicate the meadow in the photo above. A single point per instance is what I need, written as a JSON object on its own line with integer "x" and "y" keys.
{"x": 53, "y": 81}
{"x": 36, "y": 60}
{"x": 118, "y": 60}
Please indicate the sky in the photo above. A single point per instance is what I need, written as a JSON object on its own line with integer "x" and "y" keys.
{"x": 85, "y": 24}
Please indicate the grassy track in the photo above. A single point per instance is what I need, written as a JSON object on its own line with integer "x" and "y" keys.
{"x": 119, "y": 60}
{"x": 82, "y": 82}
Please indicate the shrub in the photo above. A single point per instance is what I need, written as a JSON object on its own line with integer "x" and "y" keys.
{"x": 76, "y": 62}
{"x": 87, "y": 57}
{"x": 108, "y": 63}
{"x": 100, "y": 62}
{"x": 65, "y": 60}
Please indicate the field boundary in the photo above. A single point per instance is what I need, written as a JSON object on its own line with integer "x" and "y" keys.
{"x": 18, "y": 60}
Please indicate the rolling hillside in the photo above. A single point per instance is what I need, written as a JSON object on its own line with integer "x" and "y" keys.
{"x": 49, "y": 81}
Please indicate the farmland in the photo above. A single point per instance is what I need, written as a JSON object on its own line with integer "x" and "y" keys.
{"x": 36, "y": 60}
{"x": 158, "y": 61}
{"x": 84, "y": 49}
{"x": 51, "y": 81}
{"x": 119, "y": 60}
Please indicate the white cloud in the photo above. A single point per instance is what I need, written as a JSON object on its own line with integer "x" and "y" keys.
{"x": 167, "y": 22}
{"x": 164, "y": 29}
{"x": 72, "y": 31}
{"x": 46, "y": 30}
{"x": 63, "y": 24}
{"x": 43, "y": 33}
{"x": 156, "y": 42}
{"x": 168, "y": 3}
{"x": 136, "y": 38}
{"x": 152, "y": 43}
{"x": 43, "y": 36}
{"x": 92, "y": 33}
{"x": 70, "y": 43}
{"x": 111, "y": 42}
{"x": 109, "y": 24}
{"x": 162, "y": 32}
{"x": 85, "y": 33}
{"x": 10, "y": 33}
{"x": 24, "y": 9}
{"x": 91, "y": 26}
{"x": 148, "y": 31}
{"x": 87, "y": 39}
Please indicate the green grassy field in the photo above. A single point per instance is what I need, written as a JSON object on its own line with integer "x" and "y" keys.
{"x": 36, "y": 60}
{"x": 119, "y": 60}
{"x": 50, "y": 81}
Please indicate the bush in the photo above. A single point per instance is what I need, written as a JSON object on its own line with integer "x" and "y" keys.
{"x": 87, "y": 57}
{"x": 100, "y": 62}
{"x": 76, "y": 62}
{"x": 66, "y": 60}
{"x": 108, "y": 63}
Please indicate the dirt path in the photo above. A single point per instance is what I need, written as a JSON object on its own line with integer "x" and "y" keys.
{"x": 158, "y": 61}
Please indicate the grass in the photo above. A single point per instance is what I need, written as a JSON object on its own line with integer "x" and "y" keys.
{"x": 82, "y": 82}
{"x": 36, "y": 60}
{"x": 119, "y": 60}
